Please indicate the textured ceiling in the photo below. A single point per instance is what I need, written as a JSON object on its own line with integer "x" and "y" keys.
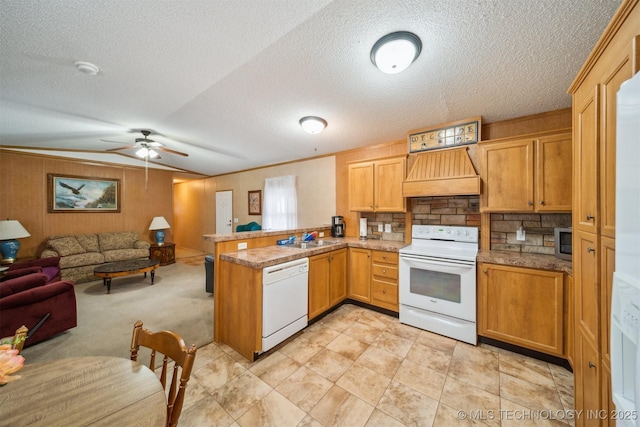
{"x": 227, "y": 81}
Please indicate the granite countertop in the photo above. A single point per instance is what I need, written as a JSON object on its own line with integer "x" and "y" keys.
{"x": 517, "y": 259}
{"x": 259, "y": 258}
{"x": 241, "y": 235}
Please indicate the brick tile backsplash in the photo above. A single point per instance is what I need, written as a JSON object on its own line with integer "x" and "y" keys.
{"x": 465, "y": 211}
{"x": 538, "y": 230}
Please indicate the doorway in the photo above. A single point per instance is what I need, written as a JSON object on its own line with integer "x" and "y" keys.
{"x": 224, "y": 212}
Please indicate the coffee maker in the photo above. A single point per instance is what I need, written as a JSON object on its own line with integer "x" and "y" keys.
{"x": 337, "y": 226}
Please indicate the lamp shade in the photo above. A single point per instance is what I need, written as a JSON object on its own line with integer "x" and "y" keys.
{"x": 159, "y": 223}
{"x": 12, "y": 229}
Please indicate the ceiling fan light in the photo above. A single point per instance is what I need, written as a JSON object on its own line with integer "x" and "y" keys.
{"x": 313, "y": 124}
{"x": 395, "y": 52}
{"x": 143, "y": 152}
{"x": 153, "y": 154}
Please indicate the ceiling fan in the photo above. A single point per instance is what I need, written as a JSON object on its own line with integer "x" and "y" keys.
{"x": 147, "y": 147}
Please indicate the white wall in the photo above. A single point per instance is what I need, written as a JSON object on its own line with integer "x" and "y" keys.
{"x": 316, "y": 184}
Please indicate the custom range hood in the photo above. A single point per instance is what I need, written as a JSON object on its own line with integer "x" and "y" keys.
{"x": 447, "y": 172}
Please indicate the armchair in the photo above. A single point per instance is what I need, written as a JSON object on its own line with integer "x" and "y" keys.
{"x": 29, "y": 299}
{"x": 48, "y": 266}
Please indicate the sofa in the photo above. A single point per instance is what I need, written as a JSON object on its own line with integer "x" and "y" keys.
{"x": 29, "y": 300}
{"x": 80, "y": 254}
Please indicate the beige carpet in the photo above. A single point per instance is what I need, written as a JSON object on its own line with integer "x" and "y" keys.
{"x": 177, "y": 301}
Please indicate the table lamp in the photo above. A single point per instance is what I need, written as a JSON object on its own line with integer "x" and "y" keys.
{"x": 10, "y": 230}
{"x": 159, "y": 224}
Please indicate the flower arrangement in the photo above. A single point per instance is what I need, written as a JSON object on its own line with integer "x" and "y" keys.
{"x": 10, "y": 362}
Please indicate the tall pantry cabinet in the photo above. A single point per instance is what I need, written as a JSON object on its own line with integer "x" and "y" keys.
{"x": 615, "y": 58}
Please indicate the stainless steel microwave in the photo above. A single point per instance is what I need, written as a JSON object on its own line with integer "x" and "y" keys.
{"x": 563, "y": 242}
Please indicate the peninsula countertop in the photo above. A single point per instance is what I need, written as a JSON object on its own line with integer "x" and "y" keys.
{"x": 241, "y": 235}
{"x": 259, "y": 258}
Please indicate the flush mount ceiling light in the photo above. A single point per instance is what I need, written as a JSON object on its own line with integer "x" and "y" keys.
{"x": 313, "y": 124}
{"x": 394, "y": 52}
{"x": 87, "y": 68}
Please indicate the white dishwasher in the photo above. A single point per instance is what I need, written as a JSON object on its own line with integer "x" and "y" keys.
{"x": 285, "y": 290}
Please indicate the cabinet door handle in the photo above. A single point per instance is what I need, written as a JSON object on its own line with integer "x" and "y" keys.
{"x": 590, "y": 217}
{"x": 484, "y": 270}
{"x": 530, "y": 203}
{"x": 384, "y": 271}
{"x": 591, "y": 365}
{"x": 384, "y": 291}
{"x": 590, "y": 250}
{"x": 542, "y": 202}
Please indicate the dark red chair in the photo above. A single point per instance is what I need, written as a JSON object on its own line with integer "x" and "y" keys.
{"x": 47, "y": 309}
{"x": 49, "y": 266}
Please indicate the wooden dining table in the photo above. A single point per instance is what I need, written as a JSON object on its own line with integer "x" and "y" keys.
{"x": 84, "y": 391}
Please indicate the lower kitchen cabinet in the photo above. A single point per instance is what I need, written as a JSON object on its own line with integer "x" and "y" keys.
{"x": 373, "y": 277}
{"x": 384, "y": 280}
{"x": 522, "y": 306}
{"x": 587, "y": 374}
{"x": 327, "y": 281}
{"x": 360, "y": 274}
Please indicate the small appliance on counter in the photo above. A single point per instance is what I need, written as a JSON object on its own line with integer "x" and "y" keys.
{"x": 363, "y": 228}
{"x": 337, "y": 226}
{"x": 563, "y": 238}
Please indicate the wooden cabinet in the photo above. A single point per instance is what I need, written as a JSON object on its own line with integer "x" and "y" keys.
{"x": 373, "y": 277}
{"x": 165, "y": 253}
{"x": 613, "y": 60}
{"x": 376, "y": 186}
{"x": 327, "y": 281}
{"x": 522, "y": 306}
{"x": 384, "y": 280}
{"x": 530, "y": 174}
{"x": 360, "y": 274}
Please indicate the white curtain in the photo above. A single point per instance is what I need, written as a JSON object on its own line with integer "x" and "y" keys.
{"x": 280, "y": 211}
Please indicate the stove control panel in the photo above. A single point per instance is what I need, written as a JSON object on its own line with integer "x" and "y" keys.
{"x": 445, "y": 232}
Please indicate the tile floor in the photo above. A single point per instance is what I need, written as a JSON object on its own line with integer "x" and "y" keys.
{"x": 358, "y": 367}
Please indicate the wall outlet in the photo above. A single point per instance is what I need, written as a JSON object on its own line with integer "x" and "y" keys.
{"x": 321, "y": 234}
{"x": 387, "y": 228}
{"x": 235, "y": 220}
{"x": 520, "y": 234}
{"x": 380, "y": 228}
{"x": 242, "y": 245}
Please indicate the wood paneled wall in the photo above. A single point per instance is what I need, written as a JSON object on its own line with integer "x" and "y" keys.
{"x": 24, "y": 197}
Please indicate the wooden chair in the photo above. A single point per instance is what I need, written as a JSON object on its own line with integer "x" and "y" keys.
{"x": 172, "y": 347}
{"x": 18, "y": 339}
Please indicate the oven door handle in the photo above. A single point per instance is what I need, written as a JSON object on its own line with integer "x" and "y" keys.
{"x": 436, "y": 261}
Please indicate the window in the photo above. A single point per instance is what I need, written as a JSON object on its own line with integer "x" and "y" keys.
{"x": 280, "y": 203}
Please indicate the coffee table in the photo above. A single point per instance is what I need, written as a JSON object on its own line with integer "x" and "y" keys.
{"x": 125, "y": 268}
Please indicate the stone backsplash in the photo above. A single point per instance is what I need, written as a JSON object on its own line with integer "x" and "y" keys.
{"x": 458, "y": 210}
{"x": 465, "y": 211}
{"x": 538, "y": 228}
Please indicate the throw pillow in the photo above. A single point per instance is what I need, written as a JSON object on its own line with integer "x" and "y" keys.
{"x": 89, "y": 242}
{"x": 66, "y": 246}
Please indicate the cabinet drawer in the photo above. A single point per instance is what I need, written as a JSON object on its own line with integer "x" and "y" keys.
{"x": 381, "y": 257}
{"x": 384, "y": 292}
{"x": 385, "y": 272}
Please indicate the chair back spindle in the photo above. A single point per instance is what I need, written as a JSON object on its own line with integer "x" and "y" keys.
{"x": 173, "y": 349}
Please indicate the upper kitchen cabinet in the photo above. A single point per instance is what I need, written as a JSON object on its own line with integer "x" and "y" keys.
{"x": 527, "y": 174}
{"x": 376, "y": 186}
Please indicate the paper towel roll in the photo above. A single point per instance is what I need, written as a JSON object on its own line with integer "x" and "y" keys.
{"x": 363, "y": 228}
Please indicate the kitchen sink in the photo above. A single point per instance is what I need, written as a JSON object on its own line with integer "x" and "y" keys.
{"x": 310, "y": 244}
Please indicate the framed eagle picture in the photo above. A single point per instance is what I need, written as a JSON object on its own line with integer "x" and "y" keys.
{"x": 69, "y": 193}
